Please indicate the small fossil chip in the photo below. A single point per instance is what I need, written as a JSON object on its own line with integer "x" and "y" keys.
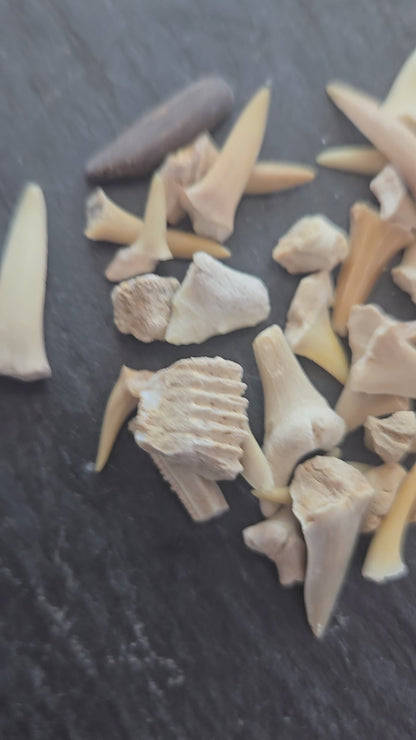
{"x": 143, "y": 306}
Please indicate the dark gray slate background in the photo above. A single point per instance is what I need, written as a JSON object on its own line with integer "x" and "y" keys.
{"x": 119, "y": 617}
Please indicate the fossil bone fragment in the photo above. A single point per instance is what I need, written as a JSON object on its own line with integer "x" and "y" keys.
{"x": 404, "y": 275}
{"x": 144, "y": 254}
{"x": 391, "y": 438}
{"x": 313, "y": 243}
{"x": 298, "y": 420}
{"x": 215, "y": 299}
{"x": 361, "y": 160}
{"x": 384, "y": 559}
{"x": 106, "y": 221}
{"x": 211, "y": 203}
{"x": 352, "y": 406}
{"x": 143, "y": 306}
{"x": 22, "y": 290}
{"x": 385, "y": 480}
{"x": 121, "y": 403}
{"x": 192, "y": 420}
{"x": 395, "y": 203}
{"x": 308, "y": 329}
{"x": 388, "y": 134}
{"x": 280, "y": 539}
{"x": 373, "y": 243}
{"x": 329, "y": 498}
{"x": 175, "y": 122}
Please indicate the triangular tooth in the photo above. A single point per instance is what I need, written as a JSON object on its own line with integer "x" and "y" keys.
{"x": 400, "y": 101}
{"x": 360, "y": 160}
{"x": 280, "y": 539}
{"x": 273, "y": 177}
{"x": 389, "y": 363}
{"x": 153, "y": 237}
{"x": 256, "y": 470}
{"x": 385, "y": 480}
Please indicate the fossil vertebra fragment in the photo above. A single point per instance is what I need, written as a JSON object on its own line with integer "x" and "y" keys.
{"x": 393, "y": 437}
{"x": 329, "y": 498}
{"x": 308, "y": 329}
{"x": 196, "y": 108}
{"x": 280, "y": 539}
{"x": 143, "y": 306}
{"x": 215, "y": 299}
{"x": 211, "y": 203}
{"x": 313, "y": 243}
{"x": 22, "y": 290}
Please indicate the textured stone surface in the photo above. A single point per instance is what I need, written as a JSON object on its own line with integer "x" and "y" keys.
{"x": 120, "y": 618}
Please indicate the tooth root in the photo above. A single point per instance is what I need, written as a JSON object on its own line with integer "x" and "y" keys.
{"x": 384, "y": 559}
{"x": 201, "y": 498}
{"x": 212, "y": 202}
{"x": 360, "y": 160}
{"x": 22, "y": 290}
{"x": 272, "y": 177}
{"x": 121, "y": 403}
{"x": 280, "y": 539}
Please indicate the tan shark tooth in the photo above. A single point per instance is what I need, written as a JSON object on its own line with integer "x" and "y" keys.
{"x": 202, "y": 498}
{"x": 22, "y": 290}
{"x": 385, "y": 479}
{"x": 393, "y": 437}
{"x": 395, "y": 202}
{"x": 404, "y": 275}
{"x": 313, "y": 243}
{"x": 389, "y": 363}
{"x": 256, "y": 469}
{"x": 212, "y": 202}
{"x": 298, "y": 420}
{"x": 400, "y": 100}
{"x": 373, "y": 243}
{"x": 276, "y": 495}
{"x": 144, "y": 254}
{"x": 215, "y": 299}
{"x": 143, "y": 306}
{"x": 360, "y": 160}
{"x": 106, "y": 221}
{"x": 203, "y": 431}
{"x": 352, "y": 406}
{"x": 280, "y": 539}
{"x": 274, "y": 176}
{"x": 329, "y": 498}
{"x": 308, "y": 328}
{"x": 384, "y": 559}
{"x": 121, "y": 403}
{"x": 388, "y": 134}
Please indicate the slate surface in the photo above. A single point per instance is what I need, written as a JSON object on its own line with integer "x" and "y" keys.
{"x": 119, "y": 617}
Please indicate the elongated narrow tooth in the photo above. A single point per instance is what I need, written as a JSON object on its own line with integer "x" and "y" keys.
{"x": 280, "y": 539}
{"x": 256, "y": 469}
{"x": 395, "y": 202}
{"x": 175, "y": 122}
{"x": 308, "y": 329}
{"x": 273, "y": 177}
{"x": 276, "y": 494}
{"x": 212, "y": 202}
{"x": 384, "y": 559}
{"x": 373, "y": 243}
{"x": 108, "y": 222}
{"x": 203, "y": 499}
{"x": 400, "y": 101}
{"x": 22, "y": 290}
{"x": 404, "y": 275}
{"x": 360, "y": 160}
{"x": 388, "y": 134}
{"x": 121, "y": 403}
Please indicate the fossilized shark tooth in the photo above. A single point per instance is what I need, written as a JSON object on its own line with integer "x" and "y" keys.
{"x": 214, "y": 299}
{"x": 280, "y": 539}
{"x": 393, "y": 437}
{"x": 313, "y": 243}
{"x": 329, "y": 498}
{"x": 143, "y": 306}
{"x": 361, "y": 160}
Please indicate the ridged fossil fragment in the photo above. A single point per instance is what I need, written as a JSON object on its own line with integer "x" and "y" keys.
{"x": 313, "y": 243}
{"x": 280, "y": 539}
{"x": 143, "y": 306}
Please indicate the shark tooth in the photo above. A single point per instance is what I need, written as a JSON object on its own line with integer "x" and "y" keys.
{"x": 280, "y": 539}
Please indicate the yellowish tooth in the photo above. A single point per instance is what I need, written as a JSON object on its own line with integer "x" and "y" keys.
{"x": 360, "y": 160}
{"x": 276, "y": 494}
{"x": 272, "y": 177}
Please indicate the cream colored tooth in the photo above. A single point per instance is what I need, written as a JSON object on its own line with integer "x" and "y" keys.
{"x": 108, "y": 222}
{"x": 385, "y": 479}
{"x": 400, "y": 101}
{"x": 393, "y": 437}
{"x": 313, "y": 243}
{"x": 389, "y": 362}
{"x": 308, "y": 328}
{"x": 202, "y": 431}
{"x": 144, "y": 254}
{"x": 22, "y": 290}
{"x": 298, "y": 420}
{"x": 404, "y": 275}
{"x": 212, "y": 202}
{"x": 143, "y": 306}
{"x": 395, "y": 203}
{"x": 280, "y": 539}
{"x": 352, "y": 406}
{"x": 373, "y": 243}
{"x": 122, "y": 401}
{"x": 361, "y": 160}
{"x": 256, "y": 469}
{"x": 329, "y": 498}
{"x": 215, "y": 299}
{"x": 384, "y": 559}
{"x": 276, "y": 494}
{"x": 388, "y": 134}
{"x": 273, "y": 177}
{"x": 202, "y": 498}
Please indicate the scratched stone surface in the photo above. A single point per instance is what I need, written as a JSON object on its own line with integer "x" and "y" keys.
{"x": 119, "y": 618}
